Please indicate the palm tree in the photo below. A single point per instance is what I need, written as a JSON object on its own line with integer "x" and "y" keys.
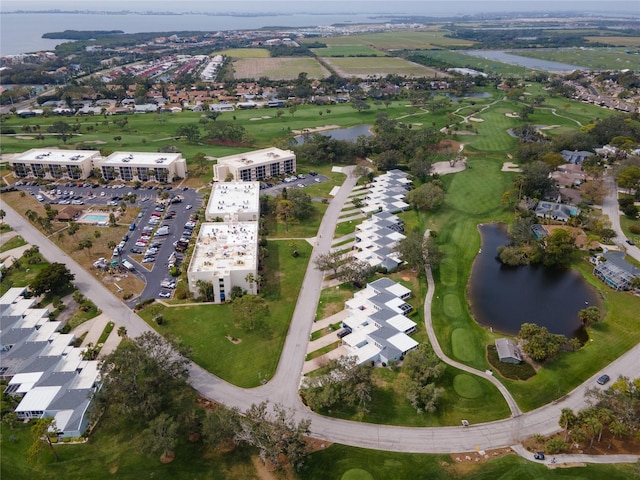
{"x": 567, "y": 420}
{"x": 592, "y": 425}
{"x": 605, "y": 416}
{"x": 250, "y": 278}
{"x": 31, "y": 215}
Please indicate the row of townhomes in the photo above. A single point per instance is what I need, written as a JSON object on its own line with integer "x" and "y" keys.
{"x": 42, "y": 367}
{"x": 57, "y": 164}
{"x": 377, "y": 327}
{"x": 377, "y": 323}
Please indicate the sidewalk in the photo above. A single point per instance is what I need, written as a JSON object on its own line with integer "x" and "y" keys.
{"x": 94, "y": 329}
{"x": 567, "y": 459}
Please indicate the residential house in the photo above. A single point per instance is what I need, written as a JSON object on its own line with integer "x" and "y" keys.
{"x": 556, "y": 211}
{"x": 615, "y": 271}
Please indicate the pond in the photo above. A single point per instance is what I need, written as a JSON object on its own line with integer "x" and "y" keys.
{"x": 535, "y": 63}
{"x": 350, "y": 134}
{"x": 505, "y": 297}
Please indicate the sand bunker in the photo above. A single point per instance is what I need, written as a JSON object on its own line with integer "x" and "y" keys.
{"x": 316, "y": 129}
{"x": 474, "y": 119}
{"x": 512, "y": 115}
{"x": 510, "y": 167}
{"x": 443, "y": 168}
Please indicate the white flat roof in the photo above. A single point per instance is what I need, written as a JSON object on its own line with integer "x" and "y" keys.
{"x": 226, "y": 246}
{"x": 398, "y": 290}
{"x": 25, "y": 380}
{"x": 87, "y": 377}
{"x": 145, "y": 159}
{"x": 52, "y": 155}
{"x": 401, "y": 323}
{"x": 365, "y": 353}
{"x": 402, "y": 342}
{"x": 38, "y": 399}
{"x": 257, "y": 157}
{"x": 233, "y": 197}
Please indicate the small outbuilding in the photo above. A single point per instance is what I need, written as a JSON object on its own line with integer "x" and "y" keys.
{"x": 508, "y": 351}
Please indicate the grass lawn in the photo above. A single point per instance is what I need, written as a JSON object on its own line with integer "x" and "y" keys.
{"x": 616, "y": 41}
{"x": 245, "y": 53}
{"x": 20, "y": 277}
{"x": 13, "y": 242}
{"x": 80, "y": 316}
{"x": 625, "y": 223}
{"x": 297, "y": 229}
{"x": 332, "y": 300}
{"x": 205, "y": 328}
{"x": 350, "y": 463}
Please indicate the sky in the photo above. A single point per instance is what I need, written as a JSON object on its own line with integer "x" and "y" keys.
{"x": 424, "y": 7}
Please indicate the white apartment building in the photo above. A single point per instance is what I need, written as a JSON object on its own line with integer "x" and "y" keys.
{"x": 143, "y": 166}
{"x": 234, "y": 201}
{"x": 225, "y": 254}
{"x": 54, "y": 164}
{"x": 256, "y": 165}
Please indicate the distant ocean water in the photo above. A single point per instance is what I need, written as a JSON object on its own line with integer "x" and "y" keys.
{"x": 22, "y": 32}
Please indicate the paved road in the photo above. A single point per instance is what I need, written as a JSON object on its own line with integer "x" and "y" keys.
{"x": 284, "y": 385}
{"x": 610, "y": 208}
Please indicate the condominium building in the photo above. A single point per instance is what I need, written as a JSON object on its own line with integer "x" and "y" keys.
{"x": 226, "y": 254}
{"x": 78, "y": 165}
{"x": 234, "y": 201}
{"x": 143, "y": 166}
{"x": 54, "y": 164}
{"x": 256, "y": 165}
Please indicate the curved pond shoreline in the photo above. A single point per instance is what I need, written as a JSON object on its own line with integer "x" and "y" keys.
{"x": 504, "y": 298}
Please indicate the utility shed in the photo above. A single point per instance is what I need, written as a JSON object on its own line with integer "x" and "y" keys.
{"x": 508, "y": 351}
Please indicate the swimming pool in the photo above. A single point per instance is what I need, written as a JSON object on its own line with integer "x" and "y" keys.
{"x": 95, "y": 218}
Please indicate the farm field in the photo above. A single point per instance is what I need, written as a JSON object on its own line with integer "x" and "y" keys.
{"x": 347, "y": 51}
{"x": 245, "y": 53}
{"x": 401, "y": 40}
{"x": 616, "y": 41}
{"x": 596, "y": 58}
{"x": 363, "y": 67}
{"x": 280, "y": 68}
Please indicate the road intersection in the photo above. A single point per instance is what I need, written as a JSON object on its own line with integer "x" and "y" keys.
{"x": 283, "y": 387}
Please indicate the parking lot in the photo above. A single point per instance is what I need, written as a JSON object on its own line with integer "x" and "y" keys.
{"x": 274, "y": 187}
{"x": 149, "y": 244}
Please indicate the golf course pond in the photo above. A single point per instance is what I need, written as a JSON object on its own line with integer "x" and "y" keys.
{"x": 503, "y": 297}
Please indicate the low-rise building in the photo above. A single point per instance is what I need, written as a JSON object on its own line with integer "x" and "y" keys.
{"x": 376, "y": 241}
{"x": 615, "y": 271}
{"x": 508, "y": 351}
{"x": 556, "y": 211}
{"x": 234, "y": 201}
{"x": 44, "y": 371}
{"x": 256, "y": 165}
{"x": 225, "y": 254}
{"x": 144, "y": 166}
{"x": 377, "y": 323}
{"x": 54, "y": 164}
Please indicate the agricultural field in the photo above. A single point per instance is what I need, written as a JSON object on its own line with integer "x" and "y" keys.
{"x": 402, "y": 40}
{"x": 347, "y": 51}
{"x": 245, "y": 53}
{"x": 596, "y": 58}
{"x": 364, "y": 67}
{"x": 616, "y": 41}
{"x": 280, "y": 68}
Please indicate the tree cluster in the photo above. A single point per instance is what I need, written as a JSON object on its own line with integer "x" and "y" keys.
{"x": 422, "y": 368}
{"x": 343, "y": 383}
{"x": 54, "y": 278}
{"x": 538, "y": 343}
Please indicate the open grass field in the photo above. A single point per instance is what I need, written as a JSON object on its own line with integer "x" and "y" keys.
{"x": 379, "y": 66}
{"x": 206, "y": 327}
{"x": 401, "y": 40}
{"x": 245, "y": 53}
{"x": 347, "y": 51}
{"x": 278, "y": 68}
{"x": 625, "y": 223}
{"x": 616, "y": 41}
{"x": 458, "y": 58}
{"x": 596, "y": 58}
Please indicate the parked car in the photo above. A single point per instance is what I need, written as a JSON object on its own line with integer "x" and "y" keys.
{"x": 602, "y": 379}
{"x": 538, "y": 455}
{"x": 188, "y": 207}
{"x": 164, "y": 294}
{"x": 630, "y": 242}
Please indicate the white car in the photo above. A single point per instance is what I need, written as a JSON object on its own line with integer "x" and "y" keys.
{"x": 164, "y": 295}
{"x": 188, "y": 207}
{"x": 102, "y": 194}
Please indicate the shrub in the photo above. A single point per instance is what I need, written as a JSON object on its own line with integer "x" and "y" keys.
{"x": 556, "y": 445}
{"x": 634, "y": 229}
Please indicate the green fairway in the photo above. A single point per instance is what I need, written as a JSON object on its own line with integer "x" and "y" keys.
{"x": 210, "y": 331}
{"x": 380, "y": 66}
{"x": 338, "y": 460}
